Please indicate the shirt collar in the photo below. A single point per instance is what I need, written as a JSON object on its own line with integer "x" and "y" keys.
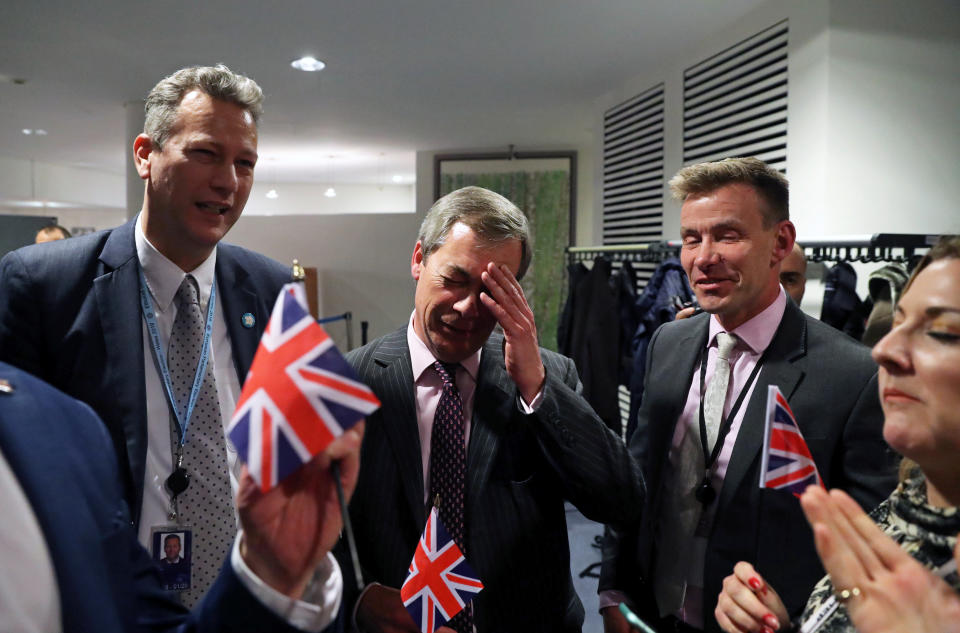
{"x": 758, "y": 331}
{"x": 421, "y": 357}
{"x": 164, "y": 277}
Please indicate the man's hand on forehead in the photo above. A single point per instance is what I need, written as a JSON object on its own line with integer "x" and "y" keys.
{"x": 505, "y": 299}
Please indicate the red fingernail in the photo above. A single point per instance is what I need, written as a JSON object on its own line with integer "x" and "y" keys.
{"x": 771, "y": 621}
{"x": 755, "y": 584}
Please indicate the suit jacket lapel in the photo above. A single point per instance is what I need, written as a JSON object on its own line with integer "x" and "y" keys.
{"x": 238, "y": 297}
{"x": 395, "y": 388}
{"x": 494, "y": 402}
{"x": 674, "y": 367}
{"x": 118, "y": 302}
{"x": 788, "y": 345}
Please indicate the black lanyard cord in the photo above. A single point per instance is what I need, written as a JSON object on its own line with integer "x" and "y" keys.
{"x": 705, "y": 493}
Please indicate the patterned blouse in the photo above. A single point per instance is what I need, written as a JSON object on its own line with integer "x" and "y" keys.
{"x": 927, "y": 533}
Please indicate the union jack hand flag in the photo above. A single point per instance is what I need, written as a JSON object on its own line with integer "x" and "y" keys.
{"x": 299, "y": 394}
{"x": 787, "y": 463}
{"x": 440, "y": 582}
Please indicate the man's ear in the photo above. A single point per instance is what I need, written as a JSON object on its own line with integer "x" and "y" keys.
{"x": 142, "y": 148}
{"x": 783, "y": 243}
{"x": 416, "y": 261}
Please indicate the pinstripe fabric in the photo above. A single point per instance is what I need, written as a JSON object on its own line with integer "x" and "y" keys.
{"x": 520, "y": 469}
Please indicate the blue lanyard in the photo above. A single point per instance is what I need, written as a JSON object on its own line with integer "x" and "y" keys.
{"x": 146, "y": 307}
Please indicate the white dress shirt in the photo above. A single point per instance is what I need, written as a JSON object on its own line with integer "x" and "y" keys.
{"x": 163, "y": 278}
{"x": 29, "y": 596}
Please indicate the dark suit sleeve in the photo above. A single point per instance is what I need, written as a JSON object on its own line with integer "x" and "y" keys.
{"x": 592, "y": 464}
{"x": 128, "y": 578}
{"x": 619, "y": 569}
{"x": 866, "y": 463}
{"x": 20, "y": 322}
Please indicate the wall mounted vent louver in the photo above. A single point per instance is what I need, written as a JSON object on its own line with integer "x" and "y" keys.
{"x": 735, "y": 103}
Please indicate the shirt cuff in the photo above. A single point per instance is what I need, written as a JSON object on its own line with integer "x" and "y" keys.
{"x": 319, "y": 604}
{"x": 533, "y": 406}
{"x": 612, "y": 598}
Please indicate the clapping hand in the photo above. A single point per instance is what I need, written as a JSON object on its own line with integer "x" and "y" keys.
{"x": 894, "y": 593}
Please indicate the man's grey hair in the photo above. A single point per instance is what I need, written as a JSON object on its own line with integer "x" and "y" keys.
{"x": 770, "y": 184}
{"x": 217, "y": 81}
{"x": 491, "y": 216}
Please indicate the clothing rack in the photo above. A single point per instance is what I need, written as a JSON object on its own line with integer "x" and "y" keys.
{"x": 879, "y": 247}
{"x": 654, "y": 252}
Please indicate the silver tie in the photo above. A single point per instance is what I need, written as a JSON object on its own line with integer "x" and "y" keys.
{"x": 680, "y": 512}
{"x": 206, "y": 505}
{"x": 716, "y": 395}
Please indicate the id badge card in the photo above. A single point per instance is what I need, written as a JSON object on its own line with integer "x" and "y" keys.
{"x": 171, "y": 547}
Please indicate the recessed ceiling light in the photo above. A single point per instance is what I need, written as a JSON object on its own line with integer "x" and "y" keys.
{"x": 40, "y": 132}
{"x": 308, "y": 64}
{"x": 272, "y": 194}
{"x": 330, "y": 192}
{"x": 398, "y": 178}
{"x": 27, "y": 131}
{"x": 37, "y": 131}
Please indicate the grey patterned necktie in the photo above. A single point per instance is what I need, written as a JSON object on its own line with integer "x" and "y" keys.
{"x": 716, "y": 396}
{"x": 448, "y": 470}
{"x": 680, "y": 512}
{"x": 206, "y": 505}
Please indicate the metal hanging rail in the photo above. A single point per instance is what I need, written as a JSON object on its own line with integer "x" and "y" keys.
{"x": 878, "y": 247}
{"x": 642, "y": 252}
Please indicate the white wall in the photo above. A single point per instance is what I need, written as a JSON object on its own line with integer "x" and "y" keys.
{"x": 873, "y": 127}
{"x": 893, "y": 130}
{"x": 309, "y": 199}
{"x": 23, "y": 179}
{"x": 363, "y": 262}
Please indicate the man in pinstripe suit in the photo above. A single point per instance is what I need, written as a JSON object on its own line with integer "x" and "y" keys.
{"x": 531, "y": 440}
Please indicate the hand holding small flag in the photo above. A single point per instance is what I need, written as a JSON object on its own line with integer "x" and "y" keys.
{"x": 299, "y": 394}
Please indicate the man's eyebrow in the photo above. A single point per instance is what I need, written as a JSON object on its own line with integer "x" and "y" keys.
{"x": 454, "y": 269}
{"x": 729, "y": 225}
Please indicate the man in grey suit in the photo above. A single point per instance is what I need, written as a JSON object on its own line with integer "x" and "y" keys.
{"x": 526, "y": 440}
{"x": 95, "y": 315}
{"x": 700, "y": 426}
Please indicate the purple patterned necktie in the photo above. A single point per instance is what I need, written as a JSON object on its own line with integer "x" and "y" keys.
{"x": 448, "y": 468}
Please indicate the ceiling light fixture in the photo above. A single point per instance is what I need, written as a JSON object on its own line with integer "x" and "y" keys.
{"x": 308, "y": 64}
{"x": 27, "y": 131}
{"x": 272, "y": 194}
{"x": 330, "y": 192}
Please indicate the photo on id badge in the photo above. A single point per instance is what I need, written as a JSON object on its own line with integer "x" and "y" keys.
{"x": 171, "y": 548}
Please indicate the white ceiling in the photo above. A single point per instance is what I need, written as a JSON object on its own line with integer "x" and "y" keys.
{"x": 400, "y": 77}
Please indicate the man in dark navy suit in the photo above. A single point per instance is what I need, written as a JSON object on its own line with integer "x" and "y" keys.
{"x": 71, "y": 558}
{"x": 79, "y": 313}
